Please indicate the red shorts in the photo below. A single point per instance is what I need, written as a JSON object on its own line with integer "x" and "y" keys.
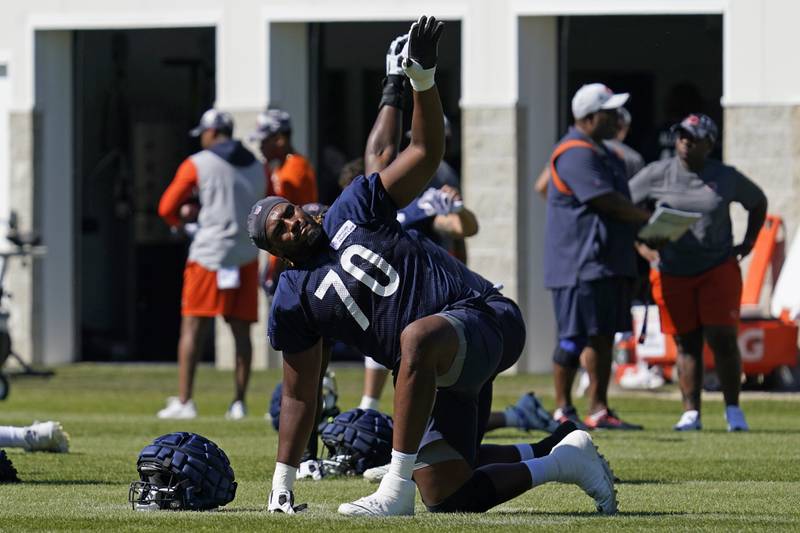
{"x": 201, "y": 297}
{"x": 686, "y": 303}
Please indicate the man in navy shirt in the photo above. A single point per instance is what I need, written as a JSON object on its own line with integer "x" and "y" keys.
{"x": 589, "y": 252}
{"x": 357, "y": 277}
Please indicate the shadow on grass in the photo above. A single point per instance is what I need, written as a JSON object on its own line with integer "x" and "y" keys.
{"x": 590, "y": 514}
{"x": 647, "y": 482}
{"x": 657, "y": 438}
{"x": 69, "y": 482}
{"x": 766, "y": 431}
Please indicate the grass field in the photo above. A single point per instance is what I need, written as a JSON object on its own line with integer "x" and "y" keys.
{"x": 706, "y": 481}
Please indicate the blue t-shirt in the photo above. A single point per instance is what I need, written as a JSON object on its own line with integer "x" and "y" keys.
{"x": 580, "y": 243}
{"x": 370, "y": 282}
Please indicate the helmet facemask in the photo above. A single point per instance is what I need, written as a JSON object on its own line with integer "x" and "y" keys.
{"x": 158, "y": 490}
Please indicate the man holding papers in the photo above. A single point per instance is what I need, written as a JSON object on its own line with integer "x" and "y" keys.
{"x": 698, "y": 284}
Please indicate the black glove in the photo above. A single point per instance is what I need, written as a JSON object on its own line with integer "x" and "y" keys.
{"x": 394, "y": 91}
{"x": 423, "y": 41}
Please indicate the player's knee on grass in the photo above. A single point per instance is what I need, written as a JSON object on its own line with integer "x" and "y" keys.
{"x": 568, "y": 352}
{"x": 477, "y": 495}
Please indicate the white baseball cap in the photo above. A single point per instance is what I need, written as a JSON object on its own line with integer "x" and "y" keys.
{"x": 593, "y": 97}
{"x": 213, "y": 119}
{"x": 270, "y": 122}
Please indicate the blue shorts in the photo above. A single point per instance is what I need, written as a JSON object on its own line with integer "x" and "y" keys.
{"x": 490, "y": 342}
{"x": 593, "y": 308}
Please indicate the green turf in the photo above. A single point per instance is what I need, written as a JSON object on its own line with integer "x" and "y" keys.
{"x": 712, "y": 480}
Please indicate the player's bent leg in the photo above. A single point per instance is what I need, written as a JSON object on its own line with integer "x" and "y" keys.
{"x": 429, "y": 347}
{"x": 573, "y": 460}
{"x": 432, "y": 351}
{"x": 514, "y": 453}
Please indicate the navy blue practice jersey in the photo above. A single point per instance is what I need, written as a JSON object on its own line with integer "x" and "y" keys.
{"x": 372, "y": 280}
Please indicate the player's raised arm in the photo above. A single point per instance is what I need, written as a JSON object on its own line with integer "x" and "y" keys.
{"x": 408, "y": 175}
{"x": 298, "y": 413}
{"x": 383, "y": 142}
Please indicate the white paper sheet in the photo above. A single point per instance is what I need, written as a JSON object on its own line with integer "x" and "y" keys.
{"x": 668, "y": 223}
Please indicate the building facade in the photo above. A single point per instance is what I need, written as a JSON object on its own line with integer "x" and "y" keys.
{"x": 67, "y": 145}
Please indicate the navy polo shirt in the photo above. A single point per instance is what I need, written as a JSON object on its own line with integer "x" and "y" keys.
{"x": 580, "y": 243}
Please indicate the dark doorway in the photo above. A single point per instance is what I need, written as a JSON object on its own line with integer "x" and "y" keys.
{"x": 671, "y": 65}
{"x": 348, "y": 64}
{"x": 137, "y": 93}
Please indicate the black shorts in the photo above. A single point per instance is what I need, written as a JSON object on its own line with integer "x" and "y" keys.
{"x": 491, "y": 342}
{"x": 592, "y": 308}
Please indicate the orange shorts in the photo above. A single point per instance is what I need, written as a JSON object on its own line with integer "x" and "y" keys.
{"x": 201, "y": 297}
{"x": 686, "y": 303}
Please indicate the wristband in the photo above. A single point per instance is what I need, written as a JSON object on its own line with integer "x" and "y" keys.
{"x": 284, "y": 476}
{"x": 421, "y": 79}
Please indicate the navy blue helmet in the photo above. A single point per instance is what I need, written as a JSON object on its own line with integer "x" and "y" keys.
{"x": 358, "y": 439}
{"x": 182, "y": 471}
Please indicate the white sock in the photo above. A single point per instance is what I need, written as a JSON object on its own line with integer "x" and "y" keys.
{"x": 512, "y": 418}
{"x": 402, "y": 464}
{"x": 284, "y": 477}
{"x": 543, "y": 470}
{"x": 368, "y": 402}
{"x": 12, "y": 437}
{"x": 525, "y": 451}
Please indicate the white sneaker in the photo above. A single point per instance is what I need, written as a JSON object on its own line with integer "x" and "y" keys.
{"x": 579, "y": 463}
{"x": 236, "y": 411}
{"x": 532, "y": 415}
{"x": 735, "y": 419}
{"x": 690, "y": 421}
{"x": 46, "y": 437}
{"x": 394, "y": 497}
{"x": 376, "y": 473}
{"x": 177, "y": 410}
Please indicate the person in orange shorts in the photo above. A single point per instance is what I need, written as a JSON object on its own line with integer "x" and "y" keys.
{"x": 697, "y": 284}
{"x": 289, "y": 174}
{"x": 221, "y": 273}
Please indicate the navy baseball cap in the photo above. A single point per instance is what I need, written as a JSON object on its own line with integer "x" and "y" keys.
{"x": 270, "y": 122}
{"x": 257, "y": 220}
{"x": 699, "y": 126}
{"x": 213, "y": 119}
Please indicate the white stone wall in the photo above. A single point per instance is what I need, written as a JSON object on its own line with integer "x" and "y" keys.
{"x": 764, "y": 143}
{"x": 489, "y": 176}
{"x": 19, "y": 278}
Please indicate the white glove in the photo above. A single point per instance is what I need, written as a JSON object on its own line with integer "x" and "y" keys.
{"x": 394, "y": 58}
{"x": 282, "y": 501}
{"x": 439, "y": 202}
{"x": 310, "y": 469}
